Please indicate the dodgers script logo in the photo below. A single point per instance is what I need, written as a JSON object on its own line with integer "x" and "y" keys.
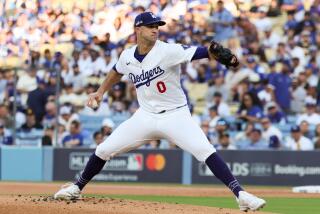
{"x": 146, "y": 76}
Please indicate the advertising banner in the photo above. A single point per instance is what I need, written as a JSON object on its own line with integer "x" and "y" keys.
{"x": 265, "y": 168}
{"x": 135, "y": 166}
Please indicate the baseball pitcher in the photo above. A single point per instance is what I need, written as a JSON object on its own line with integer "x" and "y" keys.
{"x": 154, "y": 68}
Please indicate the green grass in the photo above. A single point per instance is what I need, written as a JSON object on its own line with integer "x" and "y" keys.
{"x": 275, "y": 205}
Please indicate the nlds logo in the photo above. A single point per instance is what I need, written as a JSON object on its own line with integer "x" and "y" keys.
{"x": 237, "y": 169}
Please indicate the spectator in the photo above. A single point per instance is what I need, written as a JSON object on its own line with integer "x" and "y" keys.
{"x": 106, "y": 44}
{"x": 256, "y": 142}
{"x": 310, "y": 115}
{"x": 118, "y": 92}
{"x": 316, "y": 139}
{"x": 107, "y": 127}
{"x": 97, "y": 138}
{"x": 291, "y": 23}
{"x": 244, "y": 135}
{"x": 305, "y": 24}
{"x": 282, "y": 83}
{"x": 250, "y": 109}
{"x": 49, "y": 118}
{"x": 46, "y": 61}
{"x": 255, "y": 84}
{"x": 67, "y": 117}
{"x": 68, "y": 95}
{"x": 74, "y": 138}
{"x": 298, "y": 97}
{"x": 305, "y": 129}
{"x": 254, "y": 67}
{"x": 224, "y": 142}
{"x": 5, "y": 136}
{"x": 119, "y": 112}
{"x": 263, "y": 22}
{"x": 206, "y": 130}
{"x": 223, "y": 108}
{"x": 222, "y": 21}
{"x": 107, "y": 64}
{"x": 5, "y": 117}
{"x": 218, "y": 87}
{"x": 274, "y": 9}
{"x": 31, "y": 122}
{"x": 298, "y": 142}
{"x": 270, "y": 131}
{"x": 274, "y": 114}
{"x": 221, "y": 127}
{"x": 274, "y": 142}
{"x": 266, "y": 95}
{"x": 152, "y": 144}
{"x": 27, "y": 82}
{"x": 213, "y": 116}
{"x": 234, "y": 77}
{"x": 247, "y": 30}
{"x": 37, "y": 100}
{"x": 85, "y": 63}
{"x": 47, "y": 139}
{"x": 78, "y": 80}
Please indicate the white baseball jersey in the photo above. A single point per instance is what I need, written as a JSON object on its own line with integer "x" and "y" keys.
{"x": 157, "y": 80}
{"x": 157, "y": 77}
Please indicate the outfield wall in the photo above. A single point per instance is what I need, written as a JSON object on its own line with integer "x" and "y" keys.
{"x": 287, "y": 168}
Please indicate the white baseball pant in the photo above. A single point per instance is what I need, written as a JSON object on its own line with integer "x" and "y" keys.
{"x": 176, "y": 125}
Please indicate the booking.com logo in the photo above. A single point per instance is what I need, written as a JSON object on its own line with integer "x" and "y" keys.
{"x": 155, "y": 162}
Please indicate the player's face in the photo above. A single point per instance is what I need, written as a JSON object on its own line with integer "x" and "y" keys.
{"x": 149, "y": 33}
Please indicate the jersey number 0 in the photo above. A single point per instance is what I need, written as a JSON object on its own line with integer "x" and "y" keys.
{"x": 161, "y": 87}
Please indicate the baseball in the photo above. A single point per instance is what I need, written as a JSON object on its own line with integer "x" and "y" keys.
{"x": 94, "y": 104}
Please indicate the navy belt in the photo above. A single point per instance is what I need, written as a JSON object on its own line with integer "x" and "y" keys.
{"x": 163, "y": 111}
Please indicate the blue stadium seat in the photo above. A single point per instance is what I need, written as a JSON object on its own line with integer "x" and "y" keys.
{"x": 285, "y": 127}
{"x": 292, "y": 119}
{"x": 30, "y": 138}
{"x": 90, "y": 123}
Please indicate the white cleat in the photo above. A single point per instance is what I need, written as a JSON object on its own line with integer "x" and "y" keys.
{"x": 248, "y": 201}
{"x": 68, "y": 191}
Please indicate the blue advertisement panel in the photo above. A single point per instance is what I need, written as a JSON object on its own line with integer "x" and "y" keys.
{"x": 21, "y": 164}
{"x": 134, "y": 166}
{"x": 286, "y": 168}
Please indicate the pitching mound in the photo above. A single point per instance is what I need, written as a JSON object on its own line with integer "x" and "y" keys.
{"x": 40, "y": 204}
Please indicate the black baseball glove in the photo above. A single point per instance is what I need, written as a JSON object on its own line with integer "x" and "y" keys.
{"x": 222, "y": 55}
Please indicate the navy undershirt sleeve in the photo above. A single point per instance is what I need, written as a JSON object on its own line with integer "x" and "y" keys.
{"x": 115, "y": 69}
{"x": 201, "y": 53}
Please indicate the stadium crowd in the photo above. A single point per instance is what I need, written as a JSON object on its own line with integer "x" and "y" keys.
{"x": 270, "y": 102}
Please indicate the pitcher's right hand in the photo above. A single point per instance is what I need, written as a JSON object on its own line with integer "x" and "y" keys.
{"x": 94, "y": 100}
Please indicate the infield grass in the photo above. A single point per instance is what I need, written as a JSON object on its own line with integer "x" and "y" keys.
{"x": 275, "y": 205}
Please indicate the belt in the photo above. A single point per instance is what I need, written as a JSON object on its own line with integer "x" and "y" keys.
{"x": 163, "y": 111}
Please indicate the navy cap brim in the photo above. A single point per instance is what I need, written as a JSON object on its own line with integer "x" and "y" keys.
{"x": 160, "y": 23}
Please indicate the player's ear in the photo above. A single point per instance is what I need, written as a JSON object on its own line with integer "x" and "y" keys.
{"x": 136, "y": 29}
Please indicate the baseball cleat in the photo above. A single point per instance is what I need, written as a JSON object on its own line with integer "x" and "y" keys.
{"x": 68, "y": 191}
{"x": 248, "y": 201}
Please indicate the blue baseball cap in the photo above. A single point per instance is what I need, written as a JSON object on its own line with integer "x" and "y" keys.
{"x": 295, "y": 128}
{"x": 147, "y": 18}
{"x": 222, "y": 122}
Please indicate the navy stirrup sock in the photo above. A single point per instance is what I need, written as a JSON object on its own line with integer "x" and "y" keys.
{"x": 220, "y": 169}
{"x": 93, "y": 167}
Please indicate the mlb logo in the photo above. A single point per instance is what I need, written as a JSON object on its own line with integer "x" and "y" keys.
{"x": 153, "y": 16}
{"x": 139, "y": 22}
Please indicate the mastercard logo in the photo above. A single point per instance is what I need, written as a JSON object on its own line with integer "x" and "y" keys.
{"x": 155, "y": 162}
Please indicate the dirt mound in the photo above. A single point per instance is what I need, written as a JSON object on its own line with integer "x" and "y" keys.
{"x": 41, "y": 204}
{"x": 15, "y": 198}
